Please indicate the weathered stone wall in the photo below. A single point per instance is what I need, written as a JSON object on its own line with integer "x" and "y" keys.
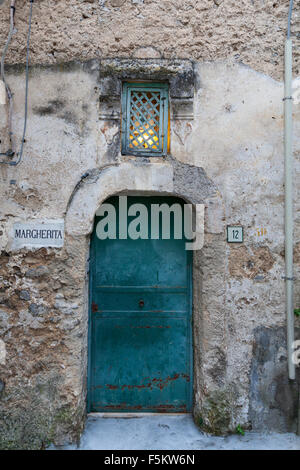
{"x": 226, "y": 151}
{"x": 247, "y": 31}
{"x": 43, "y": 328}
{"x": 273, "y": 398}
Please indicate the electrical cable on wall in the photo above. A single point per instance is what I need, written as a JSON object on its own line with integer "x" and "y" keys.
{"x": 10, "y": 152}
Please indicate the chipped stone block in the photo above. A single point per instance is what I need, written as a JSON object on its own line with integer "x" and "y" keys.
{"x": 182, "y": 109}
{"x": 37, "y": 310}
{"x": 109, "y": 86}
{"x": 64, "y": 307}
{"x": 24, "y": 295}
{"x": 109, "y": 108}
{"x": 36, "y": 273}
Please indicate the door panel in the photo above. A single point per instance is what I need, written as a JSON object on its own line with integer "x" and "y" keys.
{"x": 140, "y": 322}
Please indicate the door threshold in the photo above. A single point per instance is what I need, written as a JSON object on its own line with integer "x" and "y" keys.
{"x": 131, "y": 415}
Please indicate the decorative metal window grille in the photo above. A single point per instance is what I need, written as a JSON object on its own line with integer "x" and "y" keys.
{"x": 145, "y": 119}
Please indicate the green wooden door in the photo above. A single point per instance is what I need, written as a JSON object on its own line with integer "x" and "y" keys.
{"x": 140, "y": 332}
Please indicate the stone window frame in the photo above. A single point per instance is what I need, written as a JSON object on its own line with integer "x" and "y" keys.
{"x": 179, "y": 74}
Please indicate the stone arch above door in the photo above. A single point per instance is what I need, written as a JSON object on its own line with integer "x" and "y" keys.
{"x": 169, "y": 178}
{"x": 212, "y": 394}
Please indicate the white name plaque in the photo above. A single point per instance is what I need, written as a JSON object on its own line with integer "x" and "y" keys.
{"x": 39, "y": 234}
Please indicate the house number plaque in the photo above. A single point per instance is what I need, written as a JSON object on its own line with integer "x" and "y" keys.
{"x": 235, "y": 234}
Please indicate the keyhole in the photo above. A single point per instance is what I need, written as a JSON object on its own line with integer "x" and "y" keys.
{"x": 141, "y": 303}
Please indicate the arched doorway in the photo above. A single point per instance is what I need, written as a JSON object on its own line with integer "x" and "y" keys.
{"x": 140, "y": 327}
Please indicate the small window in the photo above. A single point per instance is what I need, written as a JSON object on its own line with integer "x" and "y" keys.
{"x": 145, "y": 118}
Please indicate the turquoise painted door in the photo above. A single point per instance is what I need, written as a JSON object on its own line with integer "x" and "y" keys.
{"x": 140, "y": 340}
